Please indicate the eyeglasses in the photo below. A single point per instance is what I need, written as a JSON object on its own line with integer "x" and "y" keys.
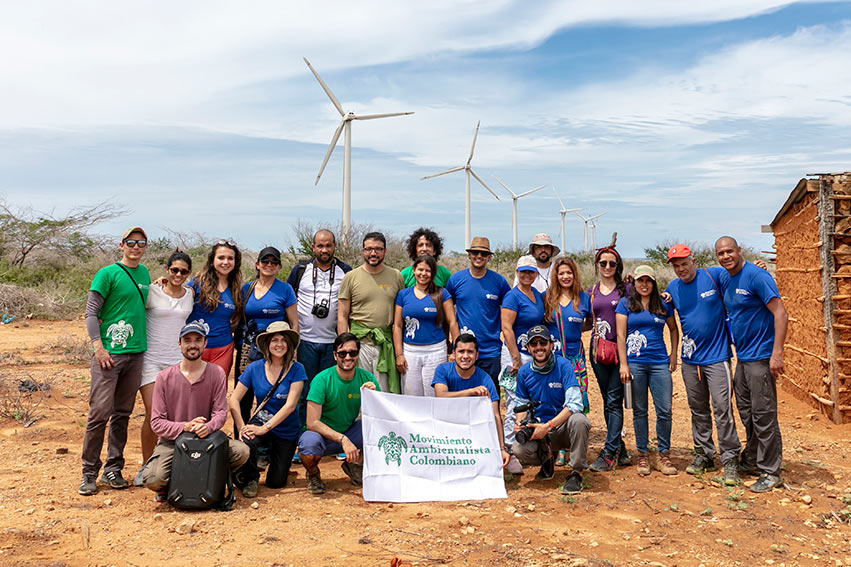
{"x": 376, "y": 249}
{"x": 607, "y": 264}
{"x": 479, "y": 253}
{"x": 226, "y": 242}
{"x": 180, "y": 271}
{"x": 134, "y": 243}
{"x": 538, "y": 342}
{"x": 347, "y": 353}
{"x": 270, "y": 262}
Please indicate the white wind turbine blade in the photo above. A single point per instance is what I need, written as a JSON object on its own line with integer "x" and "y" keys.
{"x": 506, "y": 187}
{"x": 531, "y": 191}
{"x": 330, "y": 149}
{"x": 559, "y": 199}
{"x": 374, "y": 116}
{"x": 485, "y": 185}
{"x": 596, "y": 216}
{"x": 453, "y": 170}
{"x": 473, "y": 147}
{"x": 580, "y": 216}
{"x": 334, "y": 100}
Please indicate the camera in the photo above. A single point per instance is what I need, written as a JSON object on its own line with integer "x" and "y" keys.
{"x": 321, "y": 309}
{"x": 526, "y": 432}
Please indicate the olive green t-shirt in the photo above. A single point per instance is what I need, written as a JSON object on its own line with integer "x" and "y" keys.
{"x": 122, "y": 317}
{"x": 372, "y": 297}
{"x": 340, "y": 399}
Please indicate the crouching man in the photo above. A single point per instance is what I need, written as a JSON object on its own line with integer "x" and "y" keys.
{"x": 333, "y": 409}
{"x": 189, "y": 396}
{"x": 548, "y": 383}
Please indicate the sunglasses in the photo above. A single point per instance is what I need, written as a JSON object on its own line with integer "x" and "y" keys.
{"x": 226, "y": 242}
{"x": 478, "y": 253}
{"x": 179, "y": 271}
{"x": 376, "y": 249}
{"x": 538, "y": 342}
{"x": 270, "y": 262}
{"x": 347, "y": 353}
{"x": 134, "y": 243}
{"x": 607, "y": 264}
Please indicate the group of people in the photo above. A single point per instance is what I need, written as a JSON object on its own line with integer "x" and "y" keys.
{"x": 302, "y": 350}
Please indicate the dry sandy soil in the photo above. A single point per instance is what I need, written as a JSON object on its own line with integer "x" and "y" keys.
{"x": 619, "y": 519}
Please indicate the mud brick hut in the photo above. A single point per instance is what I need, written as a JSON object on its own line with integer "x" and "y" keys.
{"x": 812, "y": 241}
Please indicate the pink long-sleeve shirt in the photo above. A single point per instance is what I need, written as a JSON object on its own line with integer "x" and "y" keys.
{"x": 176, "y": 401}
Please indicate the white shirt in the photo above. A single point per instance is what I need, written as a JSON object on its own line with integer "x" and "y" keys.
{"x": 164, "y": 317}
{"x": 311, "y": 328}
{"x": 542, "y": 280}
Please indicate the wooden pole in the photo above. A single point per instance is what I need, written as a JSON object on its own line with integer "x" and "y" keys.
{"x": 828, "y": 285}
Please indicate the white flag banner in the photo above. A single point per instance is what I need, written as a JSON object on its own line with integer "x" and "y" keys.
{"x": 418, "y": 449}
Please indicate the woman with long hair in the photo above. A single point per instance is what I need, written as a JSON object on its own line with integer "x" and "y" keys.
{"x": 567, "y": 311}
{"x": 646, "y": 365}
{"x": 218, "y": 301}
{"x": 166, "y": 310}
{"x": 604, "y": 297}
{"x": 276, "y": 381}
{"x": 423, "y": 319}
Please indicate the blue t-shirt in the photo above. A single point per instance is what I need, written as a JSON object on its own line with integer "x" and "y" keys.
{"x": 645, "y": 341}
{"x": 218, "y": 320}
{"x": 420, "y": 318}
{"x": 477, "y": 304}
{"x": 272, "y": 306}
{"x": 572, "y": 320}
{"x": 254, "y": 377}
{"x": 528, "y": 314}
{"x": 550, "y": 389}
{"x": 702, "y": 317}
{"x": 447, "y": 374}
{"x": 747, "y": 295}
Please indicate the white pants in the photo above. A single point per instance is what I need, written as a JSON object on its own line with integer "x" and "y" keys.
{"x": 422, "y": 361}
{"x": 368, "y": 359}
{"x": 510, "y": 400}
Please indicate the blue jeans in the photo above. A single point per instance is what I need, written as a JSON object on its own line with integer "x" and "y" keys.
{"x": 315, "y": 357}
{"x": 657, "y": 379}
{"x": 313, "y": 444}
{"x": 609, "y": 379}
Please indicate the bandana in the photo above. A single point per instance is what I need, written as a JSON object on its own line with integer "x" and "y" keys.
{"x": 546, "y": 368}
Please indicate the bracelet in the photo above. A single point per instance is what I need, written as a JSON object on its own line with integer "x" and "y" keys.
{"x": 550, "y": 423}
{"x": 342, "y": 436}
{"x": 398, "y": 355}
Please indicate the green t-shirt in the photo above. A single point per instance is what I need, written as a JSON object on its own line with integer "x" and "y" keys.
{"x": 440, "y": 278}
{"x": 122, "y": 317}
{"x": 372, "y": 297}
{"x": 340, "y": 399}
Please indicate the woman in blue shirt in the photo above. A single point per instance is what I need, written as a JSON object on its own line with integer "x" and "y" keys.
{"x": 276, "y": 424}
{"x": 644, "y": 360}
{"x": 421, "y": 318}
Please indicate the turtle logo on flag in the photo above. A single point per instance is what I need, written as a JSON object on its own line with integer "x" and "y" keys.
{"x": 392, "y": 445}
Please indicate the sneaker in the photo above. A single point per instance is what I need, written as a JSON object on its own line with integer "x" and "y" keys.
{"x": 114, "y": 480}
{"x": 572, "y": 484}
{"x": 341, "y": 456}
{"x": 262, "y": 463}
{"x": 603, "y": 463}
{"x": 354, "y": 471}
{"x": 315, "y": 484}
{"x": 701, "y": 462}
{"x": 624, "y": 459}
{"x": 642, "y": 466}
{"x": 731, "y": 472}
{"x": 547, "y": 470}
{"x": 137, "y": 480}
{"x": 514, "y": 467}
{"x": 766, "y": 483}
{"x": 250, "y": 489}
{"x": 296, "y": 459}
{"x": 665, "y": 465}
{"x": 749, "y": 469}
{"x": 161, "y": 495}
{"x": 561, "y": 458}
{"x": 88, "y": 486}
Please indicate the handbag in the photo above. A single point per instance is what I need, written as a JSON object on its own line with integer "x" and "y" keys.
{"x": 605, "y": 351}
{"x": 258, "y": 419}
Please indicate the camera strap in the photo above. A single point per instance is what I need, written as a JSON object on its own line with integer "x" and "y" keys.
{"x": 331, "y": 273}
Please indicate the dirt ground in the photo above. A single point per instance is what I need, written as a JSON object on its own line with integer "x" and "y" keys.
{"x": 619, "y": 519}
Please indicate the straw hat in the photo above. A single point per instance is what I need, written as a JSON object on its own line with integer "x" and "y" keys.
{"x": 277, "y": 327}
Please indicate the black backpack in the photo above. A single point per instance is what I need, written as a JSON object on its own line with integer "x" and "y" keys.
{"x": 200, "y": 473}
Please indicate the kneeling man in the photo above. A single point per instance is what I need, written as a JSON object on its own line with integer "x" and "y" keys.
{"x": 189, "y": 396}
{"x": 333, "y": 409}
{"x": 549, "y": 381}
{"x": 463, "y": 378}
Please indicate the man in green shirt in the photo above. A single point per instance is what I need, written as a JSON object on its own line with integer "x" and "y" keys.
{"x": 115, "y": 321}
{"x": 425, "y": 242}
{"x": 333, "y": 407}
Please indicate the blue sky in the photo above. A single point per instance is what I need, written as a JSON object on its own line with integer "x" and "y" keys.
{"x": 677, "y": 121}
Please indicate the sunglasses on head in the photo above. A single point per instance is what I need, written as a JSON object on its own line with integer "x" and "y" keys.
{"x": 479, "y": 253}
{"x": 179, "y": 271}
{"x": 226, "y": 242}
{"x": 134, "y": 243}
{"x": 538, "y": 342}
{"x": 347, "y": 353}
{"x": 607, "y": 264}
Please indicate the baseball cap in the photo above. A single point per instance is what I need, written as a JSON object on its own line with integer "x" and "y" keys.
{"x": 198, "y": 326}
{"x": 131, "y": 230}
{"x": 527, "y": 264}
{"x": 270, "y": 251}
{"x": 678, "y": 251}
{"x": 644, "y": 271}
{"x": 538, "y": 332}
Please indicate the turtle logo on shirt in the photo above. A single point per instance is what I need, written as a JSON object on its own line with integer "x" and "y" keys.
{"x": 635, "y": 342}
{"x": 688, "y": 346}
{"x": 522, "y": 340}
{"x": 203, "y": 324}
{"x": 120, "y": 332}
{"x": 603, "y": 327}
{"x": 411, "y": 326}
{"x": 466, "y": 330}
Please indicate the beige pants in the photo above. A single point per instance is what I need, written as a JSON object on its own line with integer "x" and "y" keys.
{"x": 368, "y": 359}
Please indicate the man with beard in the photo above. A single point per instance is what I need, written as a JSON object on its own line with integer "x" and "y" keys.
{"x": 542, "y": 250}
{"x": 367, "y": 299}
{"x": 561, "y": 423}
{"x": 190, "y": 396}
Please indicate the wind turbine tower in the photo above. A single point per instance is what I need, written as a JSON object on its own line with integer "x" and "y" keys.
{"x": 468, "y": 171}
{"x": 587, "y": 221}
{"x": 563, "y": 212}
{"x": 346, "y": 123}
{"x": 514, "y": 198}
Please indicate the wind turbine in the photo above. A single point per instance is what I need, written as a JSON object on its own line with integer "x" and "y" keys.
{"x": 468, "y": 171}
{"x": 346, "y": 123}
{"x": 563, "y": 212}
{"x": 514, "y": 198}
{"x": 593, "y": 225}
